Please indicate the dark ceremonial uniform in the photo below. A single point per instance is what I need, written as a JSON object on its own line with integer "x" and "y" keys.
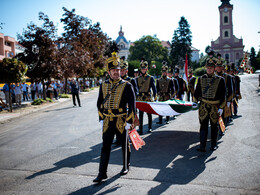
{"x": 182, "y": 85}
{"x": 165, "y": 90}
{"x": 132, "y": 81}
{"x": 118, "y": 110}
{"x": 145, "y": 85}
{"x": 237, "y": 94}
{"x": 210, "y": 92}
{"x": 191, "y": 85}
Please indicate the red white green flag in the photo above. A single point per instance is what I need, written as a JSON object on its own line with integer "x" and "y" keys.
{"x": 166, "y": 108}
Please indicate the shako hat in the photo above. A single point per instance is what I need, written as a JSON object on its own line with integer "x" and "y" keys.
{"x": 164, "y": 66}
{"x": 143, "y": 64}
{"x": 113, "y": 61}
{"x": 170, "y": 69}
{"x": 123, "y": 63}
{"x": 177, "y": 70}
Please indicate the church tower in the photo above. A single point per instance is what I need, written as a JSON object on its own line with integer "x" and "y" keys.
{"x": 123, "y": 44}
{"x": 230, "y": 47}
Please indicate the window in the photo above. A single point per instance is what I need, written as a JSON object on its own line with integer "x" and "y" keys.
{"x": 225, "y": 19}
{"x": 226, "y": 34}
{"x": 227, "y": 57}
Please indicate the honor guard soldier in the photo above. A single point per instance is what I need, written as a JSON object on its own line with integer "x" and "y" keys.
{"x": 191, "y": 85}
{"x": 229, "y": 88}
{"x": 124, "y": 76}
{"x": 145, "y": 85}
{"x": 116, "y": 109}
{"x": 182, "y": 84}
{"x": 237, "y": 94}
{"x": 165, "y": 89}
{"x": 210, "y": 92}
{"x": 175, "y": 81}
{"x": 136, "y": 73}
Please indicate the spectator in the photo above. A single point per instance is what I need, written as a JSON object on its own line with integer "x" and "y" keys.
{"x": 25, "y": 91}
{"x": 49, "y": 90}
{"x": 2, "y": 104}
{"x": 33, "y": 90}
{"x": 75, "y": 92}
{"x": 18, "y": 94}
{"x": 6, "y": 92}
{"x": 87, "y": 84}
{"x": 40, "y": 90}
{"x": 55, "y": 89}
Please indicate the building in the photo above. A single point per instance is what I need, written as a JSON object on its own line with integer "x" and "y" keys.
{"x": 123, "y": 44}
{"x": 7, "y": 46}
{"x": 230, "y": 47}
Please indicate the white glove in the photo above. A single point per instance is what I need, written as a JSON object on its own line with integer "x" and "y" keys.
{"x": 194, "y": 105}
{"x": 220, "y": 111}
{"x": 101, "y": 123}
{"x": 228, "y": 104}
{"x": 128, "y": 125}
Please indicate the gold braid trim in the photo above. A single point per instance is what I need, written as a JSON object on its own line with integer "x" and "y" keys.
{"x": 120, "y": 124}
{"x": 131, "y": 116}
{"x": 208, "y": 109}
{"x": 210, "y": 102}
{"x": 101, "y": 115}
{"x": 112, "y": 115}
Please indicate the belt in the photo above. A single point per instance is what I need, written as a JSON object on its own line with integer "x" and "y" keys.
{"x": 210, "y": 101}
{"x": 112, "y": 115}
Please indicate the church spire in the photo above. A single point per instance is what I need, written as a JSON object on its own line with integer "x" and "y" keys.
{"x": 121, "y": 33}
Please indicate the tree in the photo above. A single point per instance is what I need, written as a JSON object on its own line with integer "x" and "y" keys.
{"x": 181, "y": 43}
{"x": 149, "y": 48}
{"x": 258, "y": 61}
{"x": 12, "y": 71}
{"x": 83, "y": 45}
{"x": 40, "y": 50}
{"x": 253, "y": 59}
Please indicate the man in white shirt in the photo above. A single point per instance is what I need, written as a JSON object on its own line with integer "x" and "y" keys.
{"x": 25, "y": 91}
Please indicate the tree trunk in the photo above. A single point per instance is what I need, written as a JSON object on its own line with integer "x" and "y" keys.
{"x": 66, "y": 83}
{"x": 10, "y": 99}
{"x": 43, "y": 90}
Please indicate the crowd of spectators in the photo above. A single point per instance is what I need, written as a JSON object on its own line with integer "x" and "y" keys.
{"x": 30, "y": 91}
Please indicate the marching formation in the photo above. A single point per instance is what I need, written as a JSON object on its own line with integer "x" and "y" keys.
{"x": 215, "y": 94}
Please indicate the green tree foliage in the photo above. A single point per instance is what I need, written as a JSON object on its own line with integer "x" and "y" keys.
{"x": 253, "y": 59}
{"x": 149, "y": 48}
{"x": 12, "y": 71}
{"x": 181, "y": 43}
{"x": 258, "y": 61}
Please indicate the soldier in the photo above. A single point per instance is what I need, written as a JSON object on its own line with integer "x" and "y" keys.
{"x": 182, "y": 84}
{"x": 165, "y": 89}
{"x": 210, "y": 92}
{"x": 116, "y": 109}
{"x": 191, "y": 85}
{"x": 136, "y": 73}
{"x": 237, "y": 94}
{"x": 175, "y": 81}
{"x": 229, "y": 87}
{"x": 145, "y": 85}
{"x": 124, "y": 76}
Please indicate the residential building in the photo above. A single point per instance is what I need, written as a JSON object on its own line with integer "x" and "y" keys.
{"x": 7, "y": 47}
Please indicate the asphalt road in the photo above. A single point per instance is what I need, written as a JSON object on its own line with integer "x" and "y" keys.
{"x": 57, "y": 151}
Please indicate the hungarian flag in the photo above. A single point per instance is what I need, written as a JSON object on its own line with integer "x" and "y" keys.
{"x": 185, "y": 76}
{"x": 167, "y": 108}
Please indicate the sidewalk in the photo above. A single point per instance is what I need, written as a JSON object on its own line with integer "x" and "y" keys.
{"x": 28, "y": 108}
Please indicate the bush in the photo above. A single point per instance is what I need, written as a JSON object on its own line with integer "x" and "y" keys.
{"x": 200, "y": 71}
{"x": 49, "y": 100}
{"x": 64, "y": 95}
{"x": 38, "y": 101}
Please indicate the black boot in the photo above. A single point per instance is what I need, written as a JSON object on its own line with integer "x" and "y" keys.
{"x": 100, "y": 177}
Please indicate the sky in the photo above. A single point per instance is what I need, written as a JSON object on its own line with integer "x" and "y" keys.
{"x": 140, "y": 17}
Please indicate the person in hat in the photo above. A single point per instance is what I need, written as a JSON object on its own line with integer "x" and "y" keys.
{"x": 165, "y": 89}
{"x": 229, "y": 88}
{"x": 210, "y": 93}
{"x": 182, "y": 84}
{"x": 146, "y": 92}
{"x": 116, "y": 110}
{"x": 124, "y": 76}
{"x": 236, "y": 87}
{"x": 175, "y": 81}
{"x": 191, "y": 86}
{"x": 136, "y": 73}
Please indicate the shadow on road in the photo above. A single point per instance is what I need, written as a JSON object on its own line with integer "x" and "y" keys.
{"x": 173, "y": 153}
{"x": 60, "y": 109}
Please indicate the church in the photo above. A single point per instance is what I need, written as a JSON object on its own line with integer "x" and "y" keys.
{"x": 230, "y": 47}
